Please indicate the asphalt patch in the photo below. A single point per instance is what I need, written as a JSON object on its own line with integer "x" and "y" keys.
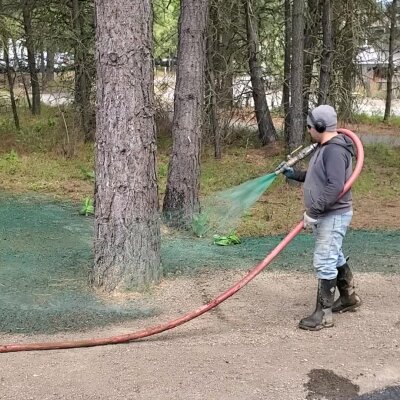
{"x": 325, "y": 384}
{"x": 389, "y": 393}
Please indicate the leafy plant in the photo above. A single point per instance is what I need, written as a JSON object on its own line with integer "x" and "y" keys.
{"x": 87, "y": 207}
{"x": 87, "y": 174}
{"x": 200, "y": 224}
{"x": 228, "y": 240}
{"x": 10, "y": 162}
{"x": 51, "y": 122}
{"x": 12, "y": 156}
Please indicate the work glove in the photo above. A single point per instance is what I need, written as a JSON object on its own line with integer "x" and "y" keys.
{"x": 308, "y": 221}
{"x": 288, "y": 171}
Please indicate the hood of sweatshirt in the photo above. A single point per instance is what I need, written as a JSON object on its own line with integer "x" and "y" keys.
{"x": 344, "y": 141}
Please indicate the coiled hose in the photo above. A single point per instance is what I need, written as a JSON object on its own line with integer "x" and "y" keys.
{"x": 203, "y": 309}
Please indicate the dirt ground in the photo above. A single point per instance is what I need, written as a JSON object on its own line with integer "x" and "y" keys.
{"x": 249, "y": 347}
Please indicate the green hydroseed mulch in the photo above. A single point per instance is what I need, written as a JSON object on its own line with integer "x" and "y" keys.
{"x": 46, "y": 253}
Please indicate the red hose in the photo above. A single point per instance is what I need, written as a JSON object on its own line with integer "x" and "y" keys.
{"x": 201, "y": 310}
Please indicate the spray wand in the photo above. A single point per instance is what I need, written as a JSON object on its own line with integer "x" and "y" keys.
{"x": 294, "y": 157}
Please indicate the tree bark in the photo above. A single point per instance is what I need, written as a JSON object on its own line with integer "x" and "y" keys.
{"x": 222, "y": 31}
{"x": 82, "y": 86}
{"x": 27, "y": 11}
{"x": 286, "y": 70}
{"x": 297, "y": 74}
{"x": 313, "y": 26}
{"x": 127, "y": 230}
{"x": 327, "y": 54}
{"x": 346, "y": 64}
{"x": 42, "y": 67}
{"x": 50, "y": 65}
{"x": 266, "y": 129}
{"x": 21, "y": 72}
{"x": 389, "y": 84}
{"x": 211, "y": 103}
{"x": 11, "y": 86}
{"x": 181, "y": 199}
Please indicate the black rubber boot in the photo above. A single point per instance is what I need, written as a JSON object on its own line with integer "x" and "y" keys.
{"x": 348, "y": 300}
{"x": 322, "y": 316}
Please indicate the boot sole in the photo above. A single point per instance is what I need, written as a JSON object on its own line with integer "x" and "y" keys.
{"x": 316, "y": 328}
{"x": 351, "y": 308}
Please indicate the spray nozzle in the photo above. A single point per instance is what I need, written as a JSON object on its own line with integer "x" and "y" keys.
{"x": 294, "y": 157}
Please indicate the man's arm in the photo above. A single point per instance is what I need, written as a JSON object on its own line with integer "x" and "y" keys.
{"x": 299, "y": 176}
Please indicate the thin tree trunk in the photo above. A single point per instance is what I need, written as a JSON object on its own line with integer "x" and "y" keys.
{"x": 81, "y": 84}
{"x": 50, "y": 65}
{"x": 27, "y": 11}
{"x": 211, "y": 90}
{"x": 226, "y": 74}
{"x": 327, "y": 53}
{"x": 346, "y": 69}
{"x": 286, "y": 70}
{"x": 220, "y": 24}
{"x": 42, "y": 68}
{"x": 297, "y": 76}
{"x": 21, "y": 72}
{"x": 212, "y": 115}
{"x": 127, "y": 229}
{"x": 389, "y": 85}
{"x": 313, "y": 24}
{"x": 266, "y": 129}
{"x": 11, "y": 86}
{"x": 181, "y": 201}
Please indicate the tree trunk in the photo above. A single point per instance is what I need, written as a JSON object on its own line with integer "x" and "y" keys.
{"x": 21, "y": 72}
{"x": 42, "y": 68}
{"x": 82, "y": 94}
{"x": 286, "y": 70}
{"x": 181, "y": 199}
{"x": 221, "y": 31}
{"x": 50, "y": 65}
{"x": 296, "y": 124}
{"x": 327, "y": 54}
{"x": 11, "y": 85}
{"x": 127, "y": 230}
{"x": 212, "y": 114}
{"x": 389, "y": 85}
{"x": 211, "y": 103}
{"x": 346, "y": 69}
{"x": 225, "y": 75}
{"x": 27, "y": 11}
{"x": 266, "y": 129}
{"x": 313, "y": 24}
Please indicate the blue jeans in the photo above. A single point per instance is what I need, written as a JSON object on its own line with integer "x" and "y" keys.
{"x": 329, "y": 233}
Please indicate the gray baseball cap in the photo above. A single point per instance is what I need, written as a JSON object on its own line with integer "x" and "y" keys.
{"x": 325, "y": 114}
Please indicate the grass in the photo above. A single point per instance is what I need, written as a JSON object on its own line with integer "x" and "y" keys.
{"x": 380, "y": 172}
{"x": 377, "y": 120}
{"x": 34, "y": 160}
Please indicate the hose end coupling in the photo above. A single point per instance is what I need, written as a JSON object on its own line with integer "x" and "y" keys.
{"x": 295, "y": 157}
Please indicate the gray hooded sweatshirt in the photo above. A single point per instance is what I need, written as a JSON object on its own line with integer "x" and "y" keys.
{"x": 329, "y": 168}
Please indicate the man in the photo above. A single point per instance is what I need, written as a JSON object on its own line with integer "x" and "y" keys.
{"x": 329, "y": 168}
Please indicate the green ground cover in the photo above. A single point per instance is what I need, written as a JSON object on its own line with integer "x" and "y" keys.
{"x": 45, "y": 256}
